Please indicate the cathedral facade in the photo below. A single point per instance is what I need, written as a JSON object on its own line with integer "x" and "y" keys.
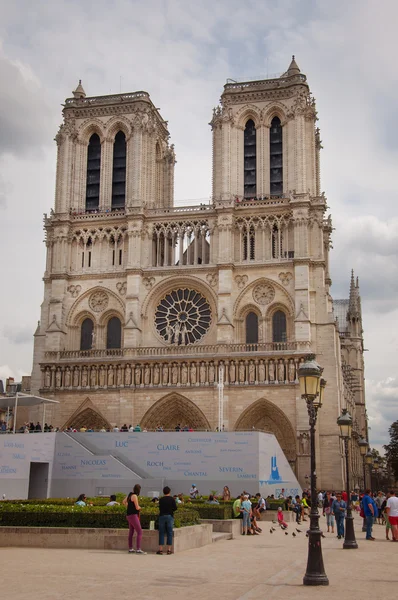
{"x": 151, "y": 312}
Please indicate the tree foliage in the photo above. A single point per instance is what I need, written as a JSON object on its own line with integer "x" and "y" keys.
{"x": 392, "y": 449}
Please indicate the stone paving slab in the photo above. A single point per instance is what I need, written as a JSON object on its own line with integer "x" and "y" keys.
{"x": 246, "y": 568}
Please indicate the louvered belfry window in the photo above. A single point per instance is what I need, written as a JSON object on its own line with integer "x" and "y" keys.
{"x": 119, "y": 171}
{"x": 249, "y": 150}
{"x": 93, "y": 173}
{"x": 276, "y": 157}
{"x": 86, "y": 334}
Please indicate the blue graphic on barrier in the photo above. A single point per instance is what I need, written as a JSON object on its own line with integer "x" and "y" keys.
{"x": 274, "y": 476}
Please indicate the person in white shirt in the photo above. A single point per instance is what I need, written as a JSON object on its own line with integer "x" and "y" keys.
{"x": 113, "y": 501}
{"x": 392, "y": 514}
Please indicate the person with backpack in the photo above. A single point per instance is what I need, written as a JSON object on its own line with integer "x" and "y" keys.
{"x": 327, "y": 510}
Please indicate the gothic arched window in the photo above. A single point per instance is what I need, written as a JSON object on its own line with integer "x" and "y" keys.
{"x": 277, "y": 241}
{"x": 114, "y": 334}
{"x": 276, "y": 164}
{"x": 119, "y": 171}
{"x": 249, "y": 157}
{"x": 249, "y": 243}
{"x": 251, "y": 328}
{"x": 93, "y": 172}
{"x": 279, "y": 327}
{"x": 86, "y": 334}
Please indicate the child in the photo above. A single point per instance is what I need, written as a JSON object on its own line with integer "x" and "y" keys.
{"x": 281, "y": 520}
{"x": 246, "y": 508}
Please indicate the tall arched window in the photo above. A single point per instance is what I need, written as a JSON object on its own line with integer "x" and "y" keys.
{"x": 114, "y": 334}
{"x": 93, "y": 172}
{"x": 251, "y": 328}
{"x": 275, "y": 151}
{"x": 249, "y": 156}
{"x": 279, "y": 327}
{"x": 86, "y": 334}
{"x": 249, "y": 243}
{"x": 277, "y": 241}
{"x": 119, "y": 171}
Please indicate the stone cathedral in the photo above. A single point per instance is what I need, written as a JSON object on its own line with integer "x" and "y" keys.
{"x": 147, "y": 305}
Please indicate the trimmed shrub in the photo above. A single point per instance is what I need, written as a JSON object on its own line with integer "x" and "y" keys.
{"x": 214, "y": 511}
{"x": 113, "y": 517}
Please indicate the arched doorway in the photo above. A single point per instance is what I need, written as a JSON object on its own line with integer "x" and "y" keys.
{"x": 265, "y": 416}
{"x": 87, "y": 416}
{"x": 173, "y": 410}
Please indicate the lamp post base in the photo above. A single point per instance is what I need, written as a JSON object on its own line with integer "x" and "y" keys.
{"x": 315, "y": 573}
{"x": 349, "y": 539}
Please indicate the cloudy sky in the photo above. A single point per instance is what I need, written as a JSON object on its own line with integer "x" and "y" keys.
{"x": 182, "y": 52}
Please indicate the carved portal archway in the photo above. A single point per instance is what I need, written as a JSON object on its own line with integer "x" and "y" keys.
{"x": 173, "y": 410}
{"x": 87, "y": 416}
{"x": 265, "y": 416}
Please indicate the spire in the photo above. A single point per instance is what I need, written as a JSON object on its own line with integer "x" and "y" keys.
{"x": 79, "y": 91}
{"x": 352, "y": 301}
{"x": 293, "y": 68}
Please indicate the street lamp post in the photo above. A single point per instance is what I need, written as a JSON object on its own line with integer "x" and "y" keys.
{"x": 363, "y": 448}
{"x": 376, "y": 465}
{"x": 345, "y": 423}
{"x": 311, "y": 390}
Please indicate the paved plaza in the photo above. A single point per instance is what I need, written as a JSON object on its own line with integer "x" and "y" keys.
{"x": 247, "y": 568}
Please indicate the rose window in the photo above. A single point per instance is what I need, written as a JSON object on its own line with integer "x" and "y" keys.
{"x": 183, "y": 317}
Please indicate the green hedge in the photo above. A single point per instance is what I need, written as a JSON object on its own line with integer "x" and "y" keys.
{"x": 214, "y": 511}
{"x": 114, "y": 517}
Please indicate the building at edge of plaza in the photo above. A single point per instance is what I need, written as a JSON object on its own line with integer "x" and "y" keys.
{"x": 147, "y": 305}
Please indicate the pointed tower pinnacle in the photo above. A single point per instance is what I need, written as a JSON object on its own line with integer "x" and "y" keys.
{"x": 293, "y": 68}
{"x": 79, "y": 91}
{"x": 354, "y": 295}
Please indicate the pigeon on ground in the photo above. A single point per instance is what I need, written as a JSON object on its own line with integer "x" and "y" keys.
{"x": 293, "y": 534}
{"x": 306, "y": 535}
{"x": 286, "y": 533}
{"x": 271, "y": 530}
{"x": 299, "y": 530}
{"x": 323, "y": 535}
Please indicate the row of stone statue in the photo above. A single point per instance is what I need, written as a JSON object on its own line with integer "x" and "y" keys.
{"x": 234, "y": 372}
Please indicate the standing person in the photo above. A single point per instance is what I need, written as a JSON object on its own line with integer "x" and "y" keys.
{"x": 338, "y": 509}
{"x": 246, "y": 507}
{"x": 226, "y": 494}
{"x": 369, "y": 509}
{"x": 327, "y": 511}
{"x": 133, "y": 518}
{"x": 167, "y": 508}
{"x": 379, "y": 502}
{"x": 193, "y": 492}
{"x": 392, "y": 514}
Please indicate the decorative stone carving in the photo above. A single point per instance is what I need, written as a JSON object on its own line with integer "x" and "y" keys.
{"x": 304, "y": 443}
{"x": 281, "y": 372}
{"x": 271, "y": 371}
{"x": 241, "y": 281}
{"x": 121, "y": 287}
{"x": 192, "y": 373}
{"x": 212, "y": 279}
{"x": 156, "y": 375}
{"x": 263, "y": 294}
{"x": 74, "y": 290}
{"x": 127, "y": 375}
{"x": 98, "y": 301}
{"x": 285, "y": 278}
{"x": 148, "y": 282}
{"x": 183, "y": 316}
{"x": 252, "y": 372}
{"x": 292, "y": 371}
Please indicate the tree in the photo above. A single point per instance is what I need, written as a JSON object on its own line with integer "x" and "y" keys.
{"x": 392, "y": 449}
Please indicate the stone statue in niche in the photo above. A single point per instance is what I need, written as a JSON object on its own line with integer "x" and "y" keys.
{"x": 169, "y": 334}
{"x": 252, "y": 372}
{"x": 292, "y": 371}
{"x": 58, "y": 378}
{"x": 147, "y": 375}
{"x": 202, "y": 372}
{"x": 165, "y": 374}
{"x": 192, "y": 373}
{"x": 102, "y": 376}
{"x": 212, "y": 373}
{"x": 84, "y": 377}
{"x": 232, "y": 372}
{"x": 281, "y": 372}
{"x": 242, "y": 373}
{"x": 76, "y": 377}
{"x": 119, "y": 376}
{"x": 304, "y": 443}
{"x": 261, "y": 371}
{"x": 127, "y": 375}
{"x": 47, "y": 378}
{"x": 137, "y": 375}
{"x": 156, "y": 375}
{"x": 93, "y": 377}
{"x": 177, "y": 330}
{"x": 67, "y": 378}
{"x": 271, "y": 371}
{"x": 184, "y": 374}
{"x": 183, "y": 334}
{"x": 110, "y": 376}
{"x": 174, "y": 374}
